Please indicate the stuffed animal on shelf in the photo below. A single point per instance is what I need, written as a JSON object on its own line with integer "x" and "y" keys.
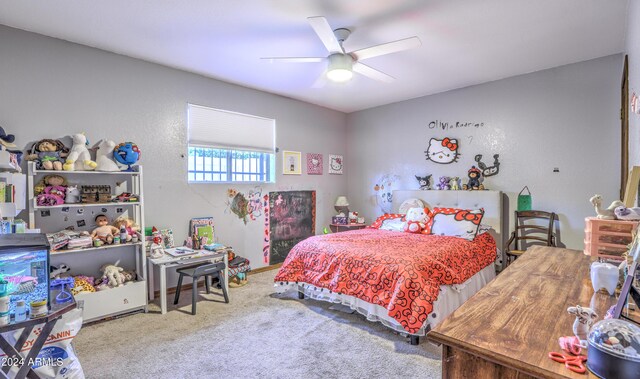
{"x": 104, "y": 156}
{"x": 474, "y": 179}
{"x": 130, "y": 226}
{"x": 48, "y": 154}
{"x": 585, "y": 317}
{"x": 443, "y": 183}
{"x": 629, "y": 214}
{"x": 112, "y": 275}
{"x": 73, "y": 195}
{"x": 127, "y": 153}
{"x": 424, "y": 182}
{"x": 608, "y": 213}
{"x": 415, "y": 220}
{"x": 453, "y": 183}
{"x": 58, "y": 272}
{"x": 104, "y": 231}
{"x": 82, "y": 284}
{"x": 79, "y": 158}
{"x": 51, "y": 190}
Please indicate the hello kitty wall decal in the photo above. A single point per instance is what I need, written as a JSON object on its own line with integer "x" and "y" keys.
{"x": 443, "y": 151}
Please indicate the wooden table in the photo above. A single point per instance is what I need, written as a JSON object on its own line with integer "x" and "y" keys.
{"x": 507, "y": 329}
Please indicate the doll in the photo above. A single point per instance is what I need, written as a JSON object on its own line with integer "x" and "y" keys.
{"x": 52, "y": 190}
{"x": 104, "y": 231}
{"x": 130, "y": 226}
{"x": 48, "y": 154}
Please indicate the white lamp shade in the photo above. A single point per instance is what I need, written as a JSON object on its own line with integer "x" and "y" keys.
{"x": 342, "y": 201}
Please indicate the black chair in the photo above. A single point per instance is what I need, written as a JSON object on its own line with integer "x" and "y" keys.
{"x": 207, "y": 270}
{"x": 534, "y": 232}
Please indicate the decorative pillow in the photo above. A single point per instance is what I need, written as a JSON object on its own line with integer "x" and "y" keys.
{"x": 411, "y": 203}
{"x": 483, "y": 228}
{"x": 386, "y": 217}
{"x": 455, "y": 222}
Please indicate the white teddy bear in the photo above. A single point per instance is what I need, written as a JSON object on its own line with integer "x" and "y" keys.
{"x": 415, "y": 220}
{"x": 79, "y": 158}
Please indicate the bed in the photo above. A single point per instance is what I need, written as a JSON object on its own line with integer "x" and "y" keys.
{"x": 408, "y": 282}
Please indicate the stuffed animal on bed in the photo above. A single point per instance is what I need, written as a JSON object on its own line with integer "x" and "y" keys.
{"x": 415, "y": 220}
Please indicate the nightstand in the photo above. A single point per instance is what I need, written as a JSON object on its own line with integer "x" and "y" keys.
{"x": 337, "y": 228}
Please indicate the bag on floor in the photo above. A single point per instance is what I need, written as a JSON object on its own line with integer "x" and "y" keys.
{"x": 57, "y": 359}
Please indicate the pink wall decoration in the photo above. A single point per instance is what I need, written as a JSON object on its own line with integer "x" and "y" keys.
{"x": 314, "y": 164}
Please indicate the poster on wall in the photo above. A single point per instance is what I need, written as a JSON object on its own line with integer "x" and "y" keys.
{"x": 336, "y": 164}
{"x": 314, "y": 164}
{"x": 291, "y": 162}
{"x": 292, "y": 218}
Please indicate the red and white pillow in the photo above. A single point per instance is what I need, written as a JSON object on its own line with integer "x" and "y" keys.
{"x": 389, "y": 221}
{"x": 463, "y": 223}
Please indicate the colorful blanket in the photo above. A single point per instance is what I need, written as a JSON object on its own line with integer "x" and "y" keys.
{"x": 402, "y": 272}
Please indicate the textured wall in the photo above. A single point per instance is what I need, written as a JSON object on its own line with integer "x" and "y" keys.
{"x": 565, "y": 117}
{"x": 52, "y": 88}
{"x": 633, "y": 50}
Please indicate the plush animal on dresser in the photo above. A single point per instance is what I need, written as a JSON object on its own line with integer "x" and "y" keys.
{"x": 585, "y": 317}
{"x": 604, "y": 275}
{"x": 608, "y": 213}
{"x": 112, "y": 275}
{"x": 453, "y": 183}
{"x": 628, "y": 214}
{"x": 104, "y": 156}
{"x": 48, "y": 154}
{"x": 443, "y": 183}
{"x": 415, "y": 220}
{"x": 79, "y": 158}
{"x": 424, "y": 182}
{"x": 73, "y": 195}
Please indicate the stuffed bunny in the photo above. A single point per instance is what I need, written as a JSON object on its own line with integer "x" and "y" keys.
{"x": 79, "y": 158}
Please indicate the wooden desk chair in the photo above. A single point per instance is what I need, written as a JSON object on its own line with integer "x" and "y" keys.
{"x": 532, "y": 233}
{"x": 207, "y": 270}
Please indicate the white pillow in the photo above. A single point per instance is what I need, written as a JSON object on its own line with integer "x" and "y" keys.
{"x": 483, "y": 228}
{"x": 393, "y": 224}
{"x": 410, "y": 203}
{"x": 456, "y": 224}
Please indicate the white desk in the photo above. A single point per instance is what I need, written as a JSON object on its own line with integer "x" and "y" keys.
{"x": 168, "y": 261}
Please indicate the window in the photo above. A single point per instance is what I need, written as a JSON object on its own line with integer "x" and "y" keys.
{"x": 229, "y": 147}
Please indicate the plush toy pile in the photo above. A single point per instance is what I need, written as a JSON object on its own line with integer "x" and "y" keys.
{"x": 112, "y": 276}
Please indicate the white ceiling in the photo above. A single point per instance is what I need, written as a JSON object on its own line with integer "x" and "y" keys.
{"x": 464, "y": 42}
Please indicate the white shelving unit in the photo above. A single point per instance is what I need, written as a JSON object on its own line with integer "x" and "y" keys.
{"x": 18, "y": 180}
{"x": 111, "y": 302}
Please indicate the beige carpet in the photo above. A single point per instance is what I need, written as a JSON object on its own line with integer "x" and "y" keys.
{"x": 259, "y": 334}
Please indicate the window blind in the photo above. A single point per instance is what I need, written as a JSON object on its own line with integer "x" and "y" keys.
{"x": 224, "y": 129}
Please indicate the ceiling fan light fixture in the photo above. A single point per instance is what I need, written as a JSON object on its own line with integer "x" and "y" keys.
{"x": 340, "y": 68}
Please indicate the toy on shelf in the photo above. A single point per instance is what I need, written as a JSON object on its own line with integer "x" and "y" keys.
{"x": 51, "y": 190}
{"x": 443, "y": 183}
{"x": 608, "y": 213}
{"x": 6, "y": 140}
{"x": 628, "y": 214}
{"x": 157, "y": 249}
{"x": 73, "y": 195}
{"x": 104, "y": 156}
{"x": 126, "y": 153}
{"x": 57, "y": 272}
{"x": 79, "y": 157}
{"x": 130, "y": 227}
{"x": 65, "y": 284}
{"x": 126, "y": 197}
{"x": 474, "y": 175}
{"x": 82, "y": 284}
{"x": 95, "y": 194}
{"x": 424, "y": 182}
{"x": 48, "y": 154}
{"x": 112, "y": 275}
{"x": 415, "y": 220}
{"x": 104, "y": 232}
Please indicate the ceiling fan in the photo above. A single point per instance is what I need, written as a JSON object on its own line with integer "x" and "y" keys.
{"x": 341, "y": 64}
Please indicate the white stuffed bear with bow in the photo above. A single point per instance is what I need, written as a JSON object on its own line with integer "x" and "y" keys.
{"x": 415, "y": 220}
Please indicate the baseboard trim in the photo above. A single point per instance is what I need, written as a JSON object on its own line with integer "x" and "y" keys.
{"x": 189, "y": 286}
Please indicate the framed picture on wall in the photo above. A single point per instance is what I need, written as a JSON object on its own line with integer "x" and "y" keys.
{"x": 314, "y": 164}
{"x": 291, "y": 163}
{"x": 336, "y": 164}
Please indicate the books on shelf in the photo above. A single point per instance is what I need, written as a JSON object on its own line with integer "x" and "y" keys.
{"x": 7, "y": 192}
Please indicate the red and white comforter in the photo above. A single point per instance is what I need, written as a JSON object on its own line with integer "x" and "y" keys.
{"x": 402, "y": 272}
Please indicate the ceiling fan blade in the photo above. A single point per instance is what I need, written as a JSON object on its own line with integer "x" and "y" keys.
{"x": 387, "y": 48}
{"x": 294, "y": 59}
{"x": 322, "y": 28}
{"x": 372, "y": 73}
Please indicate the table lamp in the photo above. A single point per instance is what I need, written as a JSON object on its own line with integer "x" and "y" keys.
{"x": 342, "y": 205}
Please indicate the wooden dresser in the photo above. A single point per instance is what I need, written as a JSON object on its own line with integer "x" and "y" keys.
{"x": 507, "y": 329}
